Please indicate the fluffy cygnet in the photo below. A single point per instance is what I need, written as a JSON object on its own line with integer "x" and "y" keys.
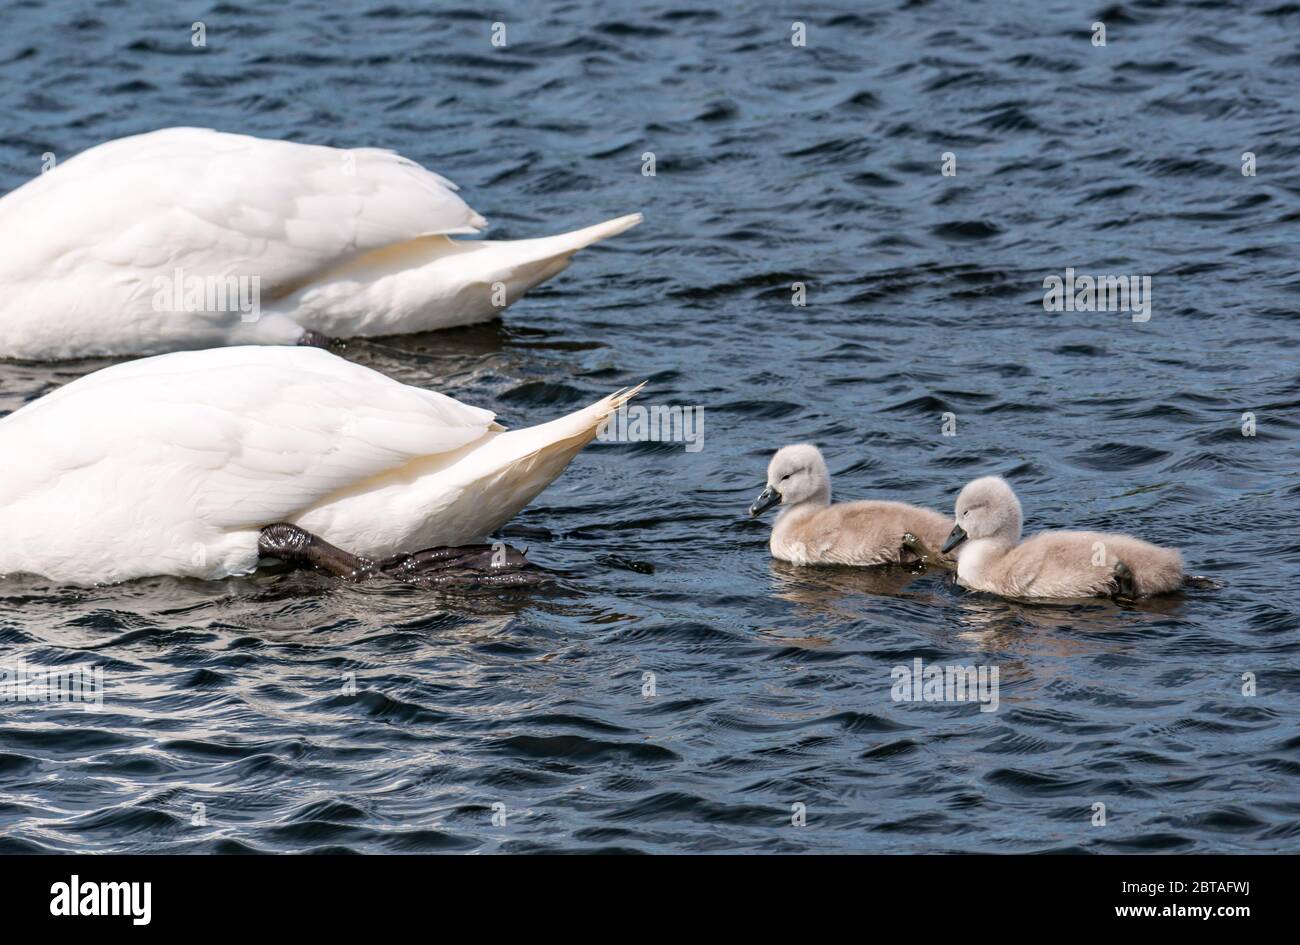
{"x": 810, "y": 530}
{"x": 991, "y": 557}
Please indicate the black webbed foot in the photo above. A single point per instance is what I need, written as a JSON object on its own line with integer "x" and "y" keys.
{"x": 1125, "y": 592}
{"x": 912, "y": 554}
{"x": 915, "y": 555}
{"x": 314, "y": 339}
{"x": 498, "y": 565}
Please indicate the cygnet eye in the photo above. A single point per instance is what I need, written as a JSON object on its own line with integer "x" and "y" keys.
{"x": 786, "y": 476}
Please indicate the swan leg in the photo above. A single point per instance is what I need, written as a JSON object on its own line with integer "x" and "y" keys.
{"x": 1124, "y": 589}
{"x": 469, "y": 565}
{"x": 925, "y": 558}
{"x": 300, "y": 547}
{"x": 314, "y": 339}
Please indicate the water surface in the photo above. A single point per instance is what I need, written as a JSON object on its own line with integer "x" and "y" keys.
{"x": 775, "y": 164}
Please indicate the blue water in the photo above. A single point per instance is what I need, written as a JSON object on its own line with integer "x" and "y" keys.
{"x": 775, "y": 164}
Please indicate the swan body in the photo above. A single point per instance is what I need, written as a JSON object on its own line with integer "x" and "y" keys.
{"x": 172, "y": 465}
{"x": 810, "y": 530}
{"x": 190, "y": 238}
{"x": 1061, "y": 564}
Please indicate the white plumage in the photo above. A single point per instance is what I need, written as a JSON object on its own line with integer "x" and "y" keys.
{"x": 348, "y": 243}
{"x": 173, "y": 464}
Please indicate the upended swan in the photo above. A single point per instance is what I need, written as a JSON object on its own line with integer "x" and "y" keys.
{"x": 810, "y": 530}
{"x": 191, "y": 238}
{"x": 198, "y": 464}
{"x": 1063, "y": 564}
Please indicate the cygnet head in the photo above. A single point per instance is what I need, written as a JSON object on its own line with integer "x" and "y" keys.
{"x": 986, "y": 508}
{"x": 796, "y": 474}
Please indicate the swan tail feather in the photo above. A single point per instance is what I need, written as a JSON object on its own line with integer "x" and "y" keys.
{"x": 584, "y": 423}
{"x": 523, "y": 264}
{"x": 519, "y": 464}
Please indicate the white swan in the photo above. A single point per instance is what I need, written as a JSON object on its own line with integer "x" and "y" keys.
{"x": 177, "y": 465}
{"x": 152, "y": 243}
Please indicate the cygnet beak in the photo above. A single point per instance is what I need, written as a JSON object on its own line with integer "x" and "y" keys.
{"x": 766, "y": 499}
{"x": 955, "y": 538}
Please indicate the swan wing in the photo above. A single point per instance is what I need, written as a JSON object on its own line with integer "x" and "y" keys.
{"x": 212, "y": 203}
{"x": 237, "y": 437}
